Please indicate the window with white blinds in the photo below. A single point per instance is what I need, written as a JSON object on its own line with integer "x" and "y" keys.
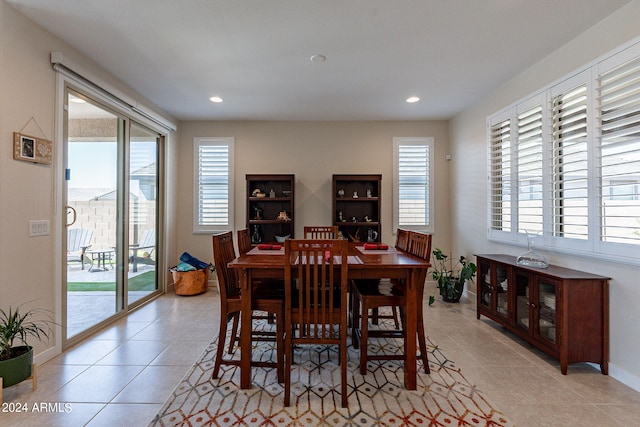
{"x": 567, "y": 166}
{"x": 570, "y": 169}
{"x": 500, "y": 176}
{"x": 213, "y": 182}
{"x": 619, "y": 163}
{"x": 413, "y": 169}
{"x": 530, "y": 170}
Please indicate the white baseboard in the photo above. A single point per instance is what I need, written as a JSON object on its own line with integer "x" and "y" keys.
{"x": 46, "y": 355}
{"x": 624, "y": 377}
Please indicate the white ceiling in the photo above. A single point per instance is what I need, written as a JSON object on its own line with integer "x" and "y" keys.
{"x": 256, "y": 53}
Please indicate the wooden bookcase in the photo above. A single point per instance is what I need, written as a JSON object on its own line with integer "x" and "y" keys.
{"x": 357, "y": 206}
{"x": 264, "y": 209}
{"x": 563, "y": 312}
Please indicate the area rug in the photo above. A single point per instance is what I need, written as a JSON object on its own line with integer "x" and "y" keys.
{"x": 443, "y": 398}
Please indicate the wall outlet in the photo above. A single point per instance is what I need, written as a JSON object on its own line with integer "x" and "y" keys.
{"x": 38, "y": 227}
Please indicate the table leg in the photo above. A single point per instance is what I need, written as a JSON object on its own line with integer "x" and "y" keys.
{"x": 410, "y": 350}
{"x": 245, "y": 329}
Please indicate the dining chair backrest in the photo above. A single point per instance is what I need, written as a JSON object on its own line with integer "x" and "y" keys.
{"x": 420, "y": 245}
{"x": 223, "y": 254}
{"x": 321, "y": 232}
{"x": 244, "y": 241}
{"x": 402, "y": 239}
{"x": 316, "y": 288}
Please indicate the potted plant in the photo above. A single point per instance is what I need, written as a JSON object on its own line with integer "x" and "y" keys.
{"x": 450, "y": 277}
{"x": 16, "y": 355}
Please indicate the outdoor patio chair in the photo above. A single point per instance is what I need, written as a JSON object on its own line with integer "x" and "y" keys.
{"x": 142, "y": 252}
{"x": 78, "y": 241}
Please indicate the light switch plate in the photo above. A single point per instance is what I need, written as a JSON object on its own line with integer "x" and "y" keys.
{"x": 39, "y": 227}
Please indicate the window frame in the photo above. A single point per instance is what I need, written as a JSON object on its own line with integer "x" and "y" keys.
{"x": 429, "y": 142}
{"x": 198, "y": 142}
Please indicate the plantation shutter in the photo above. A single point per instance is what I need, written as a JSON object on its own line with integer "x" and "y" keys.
{"x": 529, "y": 156}
{"x": 619, "y": 119}
{"x": 413, "y": 184}
{"x": 569, "y": 133}
{"x": 213, "y": 182}
{"x": 500, "y": 176}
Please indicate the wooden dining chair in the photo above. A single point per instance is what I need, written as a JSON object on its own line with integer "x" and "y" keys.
{"x": 244, "y": 241}
{"x": 402, "y": 239}
{"x": 402, "y": 243}
{"x": 388, "y": 293}
{"x": 274, "y": 285}
{"x": 263, "y": 299}
{"x": 320, "y": 231}
{"x": 315, "y": 301}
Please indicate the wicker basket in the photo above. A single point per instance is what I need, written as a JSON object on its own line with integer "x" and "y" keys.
{"x": 190, "y": 282}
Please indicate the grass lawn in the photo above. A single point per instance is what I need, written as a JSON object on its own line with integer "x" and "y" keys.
{"x": 142, "y": 282}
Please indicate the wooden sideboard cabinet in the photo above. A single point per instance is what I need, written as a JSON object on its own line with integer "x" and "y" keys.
{"x": 563, "y": 312}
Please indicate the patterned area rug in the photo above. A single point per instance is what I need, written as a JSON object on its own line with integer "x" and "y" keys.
{"x": 443, "y": 398}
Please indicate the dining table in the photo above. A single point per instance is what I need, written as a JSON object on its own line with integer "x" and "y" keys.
{"x": 378, "y": 261}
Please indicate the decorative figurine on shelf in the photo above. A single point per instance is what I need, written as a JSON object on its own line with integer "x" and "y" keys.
{"x": 341, "y": 193}
{"x": 258, "y": 212}
{"x": 367, "y": 219}
{"x": 340, "y": 235}
{"x": 372, "y": 235}
{"x": 256, "y": 237}
{"x": 283, "y": 216}
{"x": 354, "y": 219}
{"x": 341, "y": 216}
{"x": 369, "y": 193}
{"x": 355, "y": 194}
{"x": 258, "y": 193}
{"x": 272, "y": 194}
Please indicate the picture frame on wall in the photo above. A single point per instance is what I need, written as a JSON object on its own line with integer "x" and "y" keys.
{"x": 32, "y": 149}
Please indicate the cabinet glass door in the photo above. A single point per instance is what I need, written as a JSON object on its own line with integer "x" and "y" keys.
{"x": 523, "y": 288}
{"x": 547, "y": 314}
{"x": 486, "y": 294}
{"x": 502, "y": 285}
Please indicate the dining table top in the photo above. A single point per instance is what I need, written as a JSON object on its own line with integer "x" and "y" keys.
{"x": 359, "y": 257}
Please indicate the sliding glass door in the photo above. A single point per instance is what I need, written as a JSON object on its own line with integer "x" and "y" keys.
{"x": 111, "y": 195}
{"x": 143, "y": 195}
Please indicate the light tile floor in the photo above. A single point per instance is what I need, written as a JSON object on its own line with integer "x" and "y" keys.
{"x": 122, "y": 375}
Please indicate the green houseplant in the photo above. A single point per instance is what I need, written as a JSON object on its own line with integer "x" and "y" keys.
{"x": 451, "y": 276}
{"x": 16, "y": 355}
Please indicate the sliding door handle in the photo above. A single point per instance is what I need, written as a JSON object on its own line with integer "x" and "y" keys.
{"x": 74, "y": 215}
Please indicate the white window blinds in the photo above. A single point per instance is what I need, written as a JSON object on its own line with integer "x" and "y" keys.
{"x": 564, "y": 163}
{"x": 619, "y": 120}
{"x": 570, "y": 168}
{"x": 530, "y": 170}
{"x": 413, "y": 172}
{"x": 213, "y": 182}
{"x": 500, "y": 176}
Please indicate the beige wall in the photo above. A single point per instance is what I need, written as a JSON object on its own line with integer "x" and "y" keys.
{"x": 313, "y": 151}
{"x": 469, "y": 206}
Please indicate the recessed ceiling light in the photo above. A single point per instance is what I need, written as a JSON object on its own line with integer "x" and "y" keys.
{"x": 215, "y": 99}
{"x": 413, "y": 99}
{"x": 318, "y": 58}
